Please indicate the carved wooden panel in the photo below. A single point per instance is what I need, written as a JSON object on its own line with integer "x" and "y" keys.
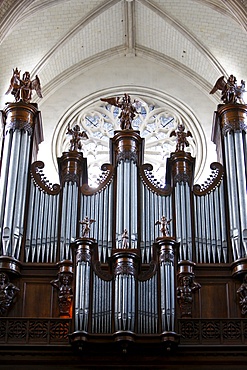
{"x": 214, "y": 300}
{"x": 38, "y": 299}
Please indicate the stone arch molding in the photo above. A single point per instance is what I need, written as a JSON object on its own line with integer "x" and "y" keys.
{"x": 159, "y": 114}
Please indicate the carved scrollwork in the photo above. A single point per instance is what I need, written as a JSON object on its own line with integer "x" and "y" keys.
{"x": 149, "y": 273}
{"x": 41, "y": 181}
{"x": 234, "y": 125}
{"x": 104, "y": 275}
{"x": 166, "y": 256}
{"x": 83, "y": 255}
{"x": 152, "y": 184}
{"x": 124, "y": 268}
{"x": 18, "y": 124}
{"x": 127, "y": 155}
{"x": 104, "y": 180}
{"x": 213, "y": 181}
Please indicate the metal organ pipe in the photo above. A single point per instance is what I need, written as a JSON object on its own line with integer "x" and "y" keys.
{"x": 232, "y": 189}
{"x": 4, "y": 174}
{"x": 41, "y": 233}
{"x": 126, "y": 207}
{"x": 99, "y": 207}
{"x": 241, "y": 183}
{"x": 9, "y": 204}
{"x": 210, "y": 225}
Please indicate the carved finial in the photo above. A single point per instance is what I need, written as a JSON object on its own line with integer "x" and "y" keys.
{"x": 231, "y": 92}
{"x": 77, "y": 135}
{"x": 125, "y": 239}
{"x": 164, "y": 226}
{"x": 22, "y": 88}
{"x": 181, "y": 136}
{"x": 128, "y": 110}
{"x": 86, "y": 223}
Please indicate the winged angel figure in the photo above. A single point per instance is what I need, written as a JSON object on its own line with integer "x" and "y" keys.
{"x": 128, "y": 110}
{"x": 86, "y": 224}
{"x": 22, "y": 88}
{"x": 230, "y": 91}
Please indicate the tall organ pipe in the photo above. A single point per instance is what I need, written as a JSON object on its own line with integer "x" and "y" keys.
{"x": 19, "y": 121}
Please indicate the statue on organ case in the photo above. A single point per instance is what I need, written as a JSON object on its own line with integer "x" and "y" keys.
{"x": 128, "y": 110}
{"x": 65, "y": 293}
{"x": 184, "y": 294}
{"x": 231, "y": 92}
{"x": 86, "y": 224}
{"x": 8, "y": 292}
{"x": 181, "y": 136}
{"x": 164, "y": 226}
{"x": 22, "y": 88}
{"x": 77, "y": 135}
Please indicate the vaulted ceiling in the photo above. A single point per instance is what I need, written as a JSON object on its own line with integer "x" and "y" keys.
{"x": 84, "y": 48}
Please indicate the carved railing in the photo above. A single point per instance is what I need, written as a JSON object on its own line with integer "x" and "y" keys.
{"x": 23, "y": 331}
{"x": 213, "y": 331}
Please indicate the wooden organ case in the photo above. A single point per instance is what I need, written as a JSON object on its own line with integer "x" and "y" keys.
{"x": 157, "y": 276}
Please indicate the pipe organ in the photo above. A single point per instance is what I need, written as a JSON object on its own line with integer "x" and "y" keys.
{"x": 130, "y": 262}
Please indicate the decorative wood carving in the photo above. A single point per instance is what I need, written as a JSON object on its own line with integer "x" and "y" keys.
{"x": 8, "y": 293}
{"x": 65, "y": 293}
{"x": 181, "y": 137}
{"x": 22, "y": 88}
{"x": 164, "y": 229}
{"x": 125, "y": 262}
{"x": 72, "y": 168}
{"x": 103, "y": 274}
{"x": 41, "y": 181}
{"x": 231, "y": 92}
{"x": 181, "y": 166}
{"x": 127, "y": 145}
{"x": 104, "y": 181}
{"x": 242, "y": 293}
{"x": 128, "y": 110}
{"x": 213, "y": 181}
{"x": 86, "y": 224}
{"x": 150, "y": 182}
{"x": 20, "y": 116}
{"x": 232, "y": 118}
{"x": 186, "y": 287}
{"x": 149, "y": 273}
{"x": 77, "y": 136}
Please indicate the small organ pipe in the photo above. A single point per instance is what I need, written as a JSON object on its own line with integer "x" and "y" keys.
{"x": 110, "y": 221}
{"x": 35, "y": 222}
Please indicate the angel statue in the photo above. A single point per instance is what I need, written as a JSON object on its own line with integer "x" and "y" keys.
{"x": 181, "y": 138}
{"x": 128, "y": 110}
{"x": 77, "y": 135}
{"x": 86, "y": 224}
{"x": 164, "y": 226}
{"x": 22, "y": 88}
{"x": 230, "y": 91}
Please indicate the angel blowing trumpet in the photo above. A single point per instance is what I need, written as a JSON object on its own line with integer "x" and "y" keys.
{"x": 22, "y": 88}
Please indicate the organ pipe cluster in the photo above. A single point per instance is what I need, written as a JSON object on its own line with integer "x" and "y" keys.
{"x": 124, "y": 270}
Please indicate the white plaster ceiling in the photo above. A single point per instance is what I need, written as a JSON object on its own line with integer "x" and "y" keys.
{"x": 82, "y": 48}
